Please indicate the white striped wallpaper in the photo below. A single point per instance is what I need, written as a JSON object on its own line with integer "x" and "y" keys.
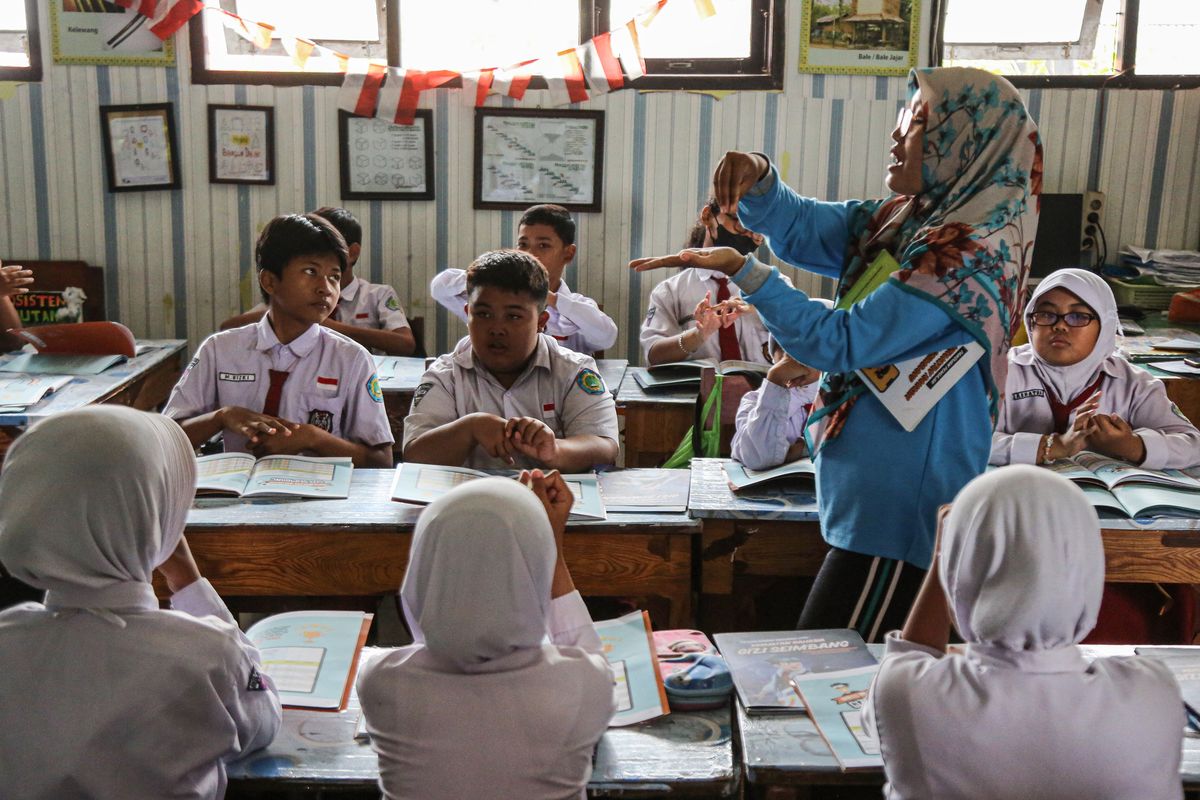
{"x": 178, "y": 262}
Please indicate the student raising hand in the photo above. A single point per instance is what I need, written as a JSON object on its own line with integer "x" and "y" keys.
{"x": 14, "y": 279}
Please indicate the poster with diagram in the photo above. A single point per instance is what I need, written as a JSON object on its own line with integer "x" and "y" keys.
{"x": 529, "y": 156}
{"x": 384, "y": 161}
{"x": 139, "y": 147}
{"x": 241, "y": 144}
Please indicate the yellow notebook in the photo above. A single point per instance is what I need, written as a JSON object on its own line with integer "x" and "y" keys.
{"x": 875, "y": 275}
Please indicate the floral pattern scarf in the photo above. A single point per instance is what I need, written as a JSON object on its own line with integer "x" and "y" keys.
{"x": 965, "y": 242}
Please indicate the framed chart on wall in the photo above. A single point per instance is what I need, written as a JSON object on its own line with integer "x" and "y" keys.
{"x": 99, "y": 32}
{"x": 865, "y": 37}
{"x": 383, "y": 161}
{"x": 241, "y": 144}
{"x": 529, "y": 156}
{"x": 139, "y": 147}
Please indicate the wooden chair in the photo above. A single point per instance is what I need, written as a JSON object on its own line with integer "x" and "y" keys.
{"x": 55, "y": 276}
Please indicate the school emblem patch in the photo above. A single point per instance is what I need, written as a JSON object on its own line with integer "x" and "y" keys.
{"x": 392, "y": 303}
{"x": 321, "y": 419}
{"x": 421, "y": 391}
{"x": 650, "y": 314}
{"x": 590, "y": 382}
{"x": 373, "y": 388}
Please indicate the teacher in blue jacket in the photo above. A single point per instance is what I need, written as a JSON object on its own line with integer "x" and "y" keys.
{"x": 958, "y": 233}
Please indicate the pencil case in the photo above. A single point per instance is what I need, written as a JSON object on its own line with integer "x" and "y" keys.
{"x": 705, "y": 683}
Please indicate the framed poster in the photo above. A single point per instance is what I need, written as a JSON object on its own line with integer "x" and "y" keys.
{"x": 528, "y": 156}
{"x": 859, "y": 37}
{"x": 241, "y": 144}
{"x": 384, "y": 161}
{"x": 102, "y": 32}
{"x": 139, "y": 147}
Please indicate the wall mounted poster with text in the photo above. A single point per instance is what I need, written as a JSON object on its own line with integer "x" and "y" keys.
{"x": 859, "y": 37}
{"x": 102, "y": 32}
{"x": 241, "y": 144}
{"x": 384, "y": 161}
{"x": 139, "y": 147}
{"x": 529, "y": 156}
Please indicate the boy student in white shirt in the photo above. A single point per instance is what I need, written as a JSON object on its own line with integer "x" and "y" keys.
{"x": 509, "y": 395}
{"x": 546, "y": 232}
{"x": 287, "y": 384}
{"x": 369, "y": 313}
{"x": 699, "y": 313}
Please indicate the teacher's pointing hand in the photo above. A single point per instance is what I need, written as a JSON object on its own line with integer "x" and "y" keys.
{"x": 718, "y": 259}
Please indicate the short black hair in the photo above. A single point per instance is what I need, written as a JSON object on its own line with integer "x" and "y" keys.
{"x": 556, "y": 217}
{"x": 512, "y": 271}
{"x": 344, "y": 221}
{"x": 290, "y": 236}
{"x": 695, "y": 237}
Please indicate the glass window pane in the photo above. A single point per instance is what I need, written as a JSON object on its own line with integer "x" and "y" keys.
{"x": 986, "y": 22}
{"x": 472, "y": 34}
{"x": 12, "y": 16}
{"x": 345, "y": 20}
{"x": 679, "y": 32}
{"x": 13, "y": 34}
{"x": 1168, "y": 34}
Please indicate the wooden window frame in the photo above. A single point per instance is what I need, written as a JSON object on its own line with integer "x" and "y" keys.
{"x": 32, "y": 73}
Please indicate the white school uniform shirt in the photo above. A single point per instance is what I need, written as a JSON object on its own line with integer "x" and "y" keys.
{"x": 331, "y": 384}
{"x": 370, "y": 305}
{"x": 1132, "y": 393}
{"x": 575, "y": 322}
{"x": 150, "y": 708}
{"x": 770, "y": 419}
{"x": 559, "y": 386}
{"x": 670, "y": 314}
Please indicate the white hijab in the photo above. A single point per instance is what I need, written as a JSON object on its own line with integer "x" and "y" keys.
{"x": 91, "y": 501}
{"x": 479, "y": 575}
{"x": 1022, "y": 562}
{"x": 1066, "y": 382}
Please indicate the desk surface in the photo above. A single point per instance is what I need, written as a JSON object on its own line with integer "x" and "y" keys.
{"x": 632, "y": 392}
{"x": 85, "y": 390}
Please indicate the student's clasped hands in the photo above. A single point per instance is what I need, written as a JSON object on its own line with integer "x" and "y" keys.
{"x": 506, "y": 438}
{"x": 711, "y": 318}
{"x": 1107, "y": 434}
{"x": 256, "y": 426}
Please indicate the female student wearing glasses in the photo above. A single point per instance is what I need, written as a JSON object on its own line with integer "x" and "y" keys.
{"x": 956, "y": 237}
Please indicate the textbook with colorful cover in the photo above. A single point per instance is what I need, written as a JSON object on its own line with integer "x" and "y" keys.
{"x": 628, "y": 644}
{"x": 1127, "y": 490}
{"x": 763, "y": 663}
{"x": 312, "y": 656}
{"x": 742, "y": 477}
{"x": 424, "y": 483}
{"x": 19, "y": 393}
{"x": 646, "y": 491}
{"x": 835, "y": 702}
{"x": 684, "y": 374}
{"x": 241, "y": 475}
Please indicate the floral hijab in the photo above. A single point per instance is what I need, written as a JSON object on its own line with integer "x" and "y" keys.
{"x": 965, "y": 242}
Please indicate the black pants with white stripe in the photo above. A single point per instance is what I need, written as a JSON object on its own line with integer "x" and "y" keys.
{"x": 867, "y": 593}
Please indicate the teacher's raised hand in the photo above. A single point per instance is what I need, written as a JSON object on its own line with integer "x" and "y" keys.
{"x": 718, "y": 259}
{"x": 735, "y": 175}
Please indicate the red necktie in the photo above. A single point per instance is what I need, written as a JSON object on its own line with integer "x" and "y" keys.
{"x": 275, "y": 392}
{"x": 1062, "y": 411}
{"x": 730, "y": 349}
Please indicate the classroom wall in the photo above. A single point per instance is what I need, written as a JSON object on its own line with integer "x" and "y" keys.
{"x": 178, "y": 262}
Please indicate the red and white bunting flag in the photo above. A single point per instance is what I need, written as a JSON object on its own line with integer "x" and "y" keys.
{"x": 705, "y": 8}
{"x": 168, "y": 16}
{"x": 298, "y": 49}
{"x": 572, "y": 75}
{"x": 519, "y": 78}
{"x": 478, "y": 85}
{"x": 361, "y": 88}
{"x": 602, "y": 68}
{"x": 649, "y": 15}
{"x": 625, "y": 44}
{"x": 400, "y": 95}
{"x": 144, "y": 7}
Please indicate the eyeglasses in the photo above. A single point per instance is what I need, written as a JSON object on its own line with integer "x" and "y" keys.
{"x": 905, "y": 120}
{"x": 1074, "y": 319}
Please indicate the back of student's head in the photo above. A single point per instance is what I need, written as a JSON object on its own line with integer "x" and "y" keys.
{"x": 345, "y": 222}
{"x": 556, "y": 217}
{"x": 290, "y": 236}
{"x": 510, "y": 271}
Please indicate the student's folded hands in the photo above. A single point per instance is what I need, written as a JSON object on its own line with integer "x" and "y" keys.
{"x": 1112, "y": 436}
{"x": 533, "y": 438}
{"x": 254, "y": 425}
{"x": 292, "y": 439}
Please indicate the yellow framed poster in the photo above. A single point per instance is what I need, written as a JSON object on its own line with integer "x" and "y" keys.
{"x": 102, "y": 32}
{"x": 859, "y": 37}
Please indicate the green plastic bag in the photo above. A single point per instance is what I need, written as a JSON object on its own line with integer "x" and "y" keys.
{"x": 708, "y": 443}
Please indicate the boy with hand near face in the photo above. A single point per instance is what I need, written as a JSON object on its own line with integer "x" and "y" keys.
{"x": 547, "y": 233}
{"x": 369, "y": 313}
{"x": 286, "y": 384}
{"x": 509, "y": 395}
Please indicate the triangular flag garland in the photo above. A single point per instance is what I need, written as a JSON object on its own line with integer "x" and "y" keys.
{"x": 605, "y": 63}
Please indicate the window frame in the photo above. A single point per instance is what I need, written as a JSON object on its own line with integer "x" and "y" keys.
{"x": 33, "y": 35}
{"x": 767, "y": 55}
{"x": 1126, "y": 76}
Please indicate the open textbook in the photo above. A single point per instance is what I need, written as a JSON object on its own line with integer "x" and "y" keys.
{"x": 742, "y": 477}
{"x": 18, "y": 393}
{"x": 241, "y": 475}
{"x": 685, "y": 374}
{"x": 424, "y": 483}
{"x": 60, "y": 364}
{"x": 1131, "y": 491}
{"x": 763, "y": 663}
{"x": 835, "y": 702}
{"x": 312, "y": 656}
{"x": 646, "y": 491}
{"x": 628, "y": 645}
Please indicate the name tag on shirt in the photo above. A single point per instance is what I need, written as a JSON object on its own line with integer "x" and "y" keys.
{"x": 237, "y": 377}
{"x": 1026, "y": 394}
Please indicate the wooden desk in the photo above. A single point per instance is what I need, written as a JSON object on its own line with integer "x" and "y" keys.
{"x": 682, "y": 755}
{"x": 143, "y": 382}
{"x": 655, "y": 422}
{"x": 359, "y": 546}
{"x": 1183, "y": 391}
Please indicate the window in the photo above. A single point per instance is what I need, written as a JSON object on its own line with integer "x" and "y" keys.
{"x": 740, "y": 47}
{"x": 20, "y": 52}
{"x": 1074, "y": 42}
